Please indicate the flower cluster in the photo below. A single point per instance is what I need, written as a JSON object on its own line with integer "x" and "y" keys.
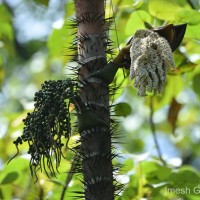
{"x": 151, "y": 58}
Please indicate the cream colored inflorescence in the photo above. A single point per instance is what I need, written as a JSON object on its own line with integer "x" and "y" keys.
{"x": 151, "y": 58}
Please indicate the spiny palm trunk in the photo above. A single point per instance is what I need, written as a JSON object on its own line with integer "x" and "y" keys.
{"x": 95, "y": 129}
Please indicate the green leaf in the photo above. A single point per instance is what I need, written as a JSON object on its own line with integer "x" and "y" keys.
{"x": 56, "y": 42}
{"x": 6, "y": 192}
{"x": 156, "y": 189}
{"x": 149, "y": 167}
{"x": 174, "y": 85}
{"x": 165, "y": 9}
{"x": 127, "y": 165}
{"x": 192, "y": 47}
{"x": 196, "y": 84}
{"x": 163, "y": 172}
{"x": 9, "y": 178}
{"x": 18, "y": 164}
{"x": 2, "y": 73}
{"x": 123, "y": 109}
{"x": 156, "y": 173}
{"x": 136, "y": 21}
{"x": 5, "y": 15}
{"x": 121, "y": 23}
{"x": 134, "y": 145}
{"x": 44, "y": 2}
{"x": 137, "y": 3}
{"x": 192, "y": 31}
{"x": 191, "y": 17}
{"x": 6, "y": 30}
{"x": 184, "y": 178}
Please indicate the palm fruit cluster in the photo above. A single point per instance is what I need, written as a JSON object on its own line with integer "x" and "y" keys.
{"x": 48, "y": 124}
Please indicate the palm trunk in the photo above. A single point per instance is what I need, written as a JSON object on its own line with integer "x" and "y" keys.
{"x": 94, "y": 125}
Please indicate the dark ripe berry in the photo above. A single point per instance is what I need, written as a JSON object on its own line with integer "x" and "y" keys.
{"x": 15, "y": 142}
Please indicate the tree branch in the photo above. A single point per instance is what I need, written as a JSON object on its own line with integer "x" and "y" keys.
{"x": 153, "y": 130}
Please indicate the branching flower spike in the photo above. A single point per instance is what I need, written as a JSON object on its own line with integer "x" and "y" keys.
{"x": 151, "y": 58}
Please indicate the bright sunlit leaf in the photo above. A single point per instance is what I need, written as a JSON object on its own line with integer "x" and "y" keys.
{"x": 165, "y": 9}
{"x": 192, "y": 31}
{"x": 196, "y": 84}
{"x": 191, "y": 17}
{"x": 136, "y": 21}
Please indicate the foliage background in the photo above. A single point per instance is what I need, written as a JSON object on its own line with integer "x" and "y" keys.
{"x": 34, "y": 41}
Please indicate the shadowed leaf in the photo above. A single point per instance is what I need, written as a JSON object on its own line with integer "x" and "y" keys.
{"x": 174, "y": 110}
{"x": 123, "y": 109}
{"x": 11, "y": 177}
